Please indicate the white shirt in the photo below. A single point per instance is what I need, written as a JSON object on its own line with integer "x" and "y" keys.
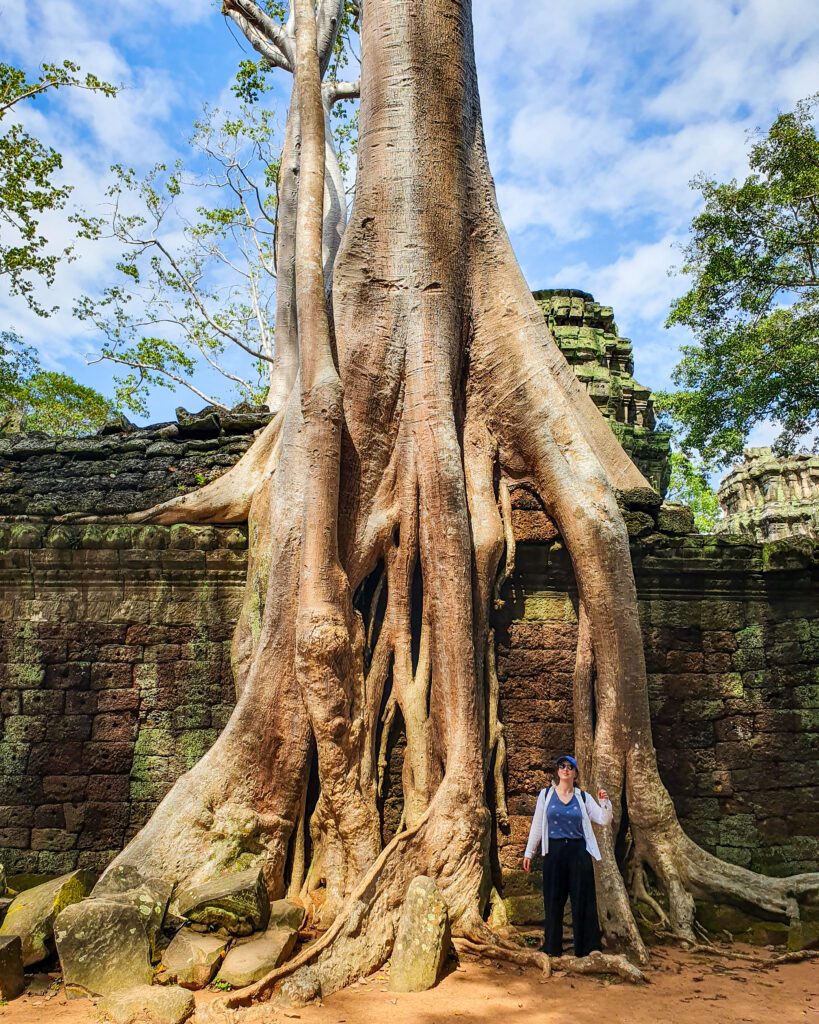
{"x": 589, "y": 809}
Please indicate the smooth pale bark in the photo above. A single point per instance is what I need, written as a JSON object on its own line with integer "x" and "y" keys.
{"x": 394, "y": 456}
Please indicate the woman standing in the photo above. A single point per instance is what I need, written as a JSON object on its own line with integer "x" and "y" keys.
{"x": 562, "y": 825}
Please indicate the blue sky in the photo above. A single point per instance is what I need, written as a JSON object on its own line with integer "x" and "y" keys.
{"x": 598, "y": 113}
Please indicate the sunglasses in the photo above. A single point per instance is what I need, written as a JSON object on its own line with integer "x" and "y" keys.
{"x": 565, "y": 764}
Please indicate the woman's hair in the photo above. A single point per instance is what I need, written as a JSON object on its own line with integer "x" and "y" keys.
{"x": 555, "y": 777}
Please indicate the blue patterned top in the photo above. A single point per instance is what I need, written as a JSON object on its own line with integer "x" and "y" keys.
{"x": 565, "y": 821}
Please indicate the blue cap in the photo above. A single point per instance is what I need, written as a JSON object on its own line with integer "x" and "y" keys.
{"x": 566, "y": 757}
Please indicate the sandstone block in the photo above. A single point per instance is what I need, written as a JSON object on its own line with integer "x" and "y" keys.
{"x": 286, "y": 914}
{"x": 422, "y": 943}
{"x": 32, "y": 913}
{"x": 147, "y": 1004}
{"x": 253, "y": 960}
{"x": 524, "y": 909}
{"x": 149, "y": 896}
{"x": 236, "y": 902}
{"x": 11, "y": 967}
{"x": 192, "y": 959}
{"x": 103, "y": 948}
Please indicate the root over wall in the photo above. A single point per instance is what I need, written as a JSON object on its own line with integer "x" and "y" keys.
{"x": 115, "y": 677}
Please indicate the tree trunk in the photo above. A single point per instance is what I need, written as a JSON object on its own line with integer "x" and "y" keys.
{"x": 394, "y": 454}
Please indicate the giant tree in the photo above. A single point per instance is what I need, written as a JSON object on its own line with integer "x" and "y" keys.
{"x": 378, "y": 509}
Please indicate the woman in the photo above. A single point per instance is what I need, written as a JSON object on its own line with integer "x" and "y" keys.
{"x": 562, "y": 825}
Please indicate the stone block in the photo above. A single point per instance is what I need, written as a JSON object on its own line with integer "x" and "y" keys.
{"x": 192, "y": 959}
{"x": 12, "y": 981}
{"x": 524, "y": 909}
{"x": 286, "y": 914}
{"x": 675, "y": 519}
{"x": 252, "y": 960}
{"x": 33, "y": 912}
{"x": 147, "y": 1004}
{"x": 422, "y": 940}
{"x": 236, "y": 902}
{"x": 103, "y": 948}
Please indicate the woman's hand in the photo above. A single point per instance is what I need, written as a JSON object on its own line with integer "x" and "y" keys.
{"x": 602, "y": 794}
{"x": 527, "y": 864}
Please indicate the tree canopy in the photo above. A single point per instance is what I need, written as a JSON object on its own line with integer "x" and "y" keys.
{"x": 29, "y": 179}
{"x": 32, "y": 398}
{"x": 753, "y": 304}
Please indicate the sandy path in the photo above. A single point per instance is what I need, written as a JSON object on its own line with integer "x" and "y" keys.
{"x": 684, "y": 989}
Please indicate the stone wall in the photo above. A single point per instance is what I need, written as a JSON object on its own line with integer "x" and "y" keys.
{"x": 115, "y": 677}
{"x": 124, "y": 468}
{"x": 731, "y": 632}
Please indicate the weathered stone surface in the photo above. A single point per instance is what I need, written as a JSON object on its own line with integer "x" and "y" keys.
{"x": 768, "y": 497}
{"x": 11, "y": 967}
{"x": 236, "y": 902}
{"x": 32, "y": 913}
{"x": 524, "y": 909}
{"x": 192, "y": 959}
{"x": 285, "y": 914}
{"x": 147, "y": 1004}
{"x": 149, "y": 896}
{"x": 422, "y": 943}
{"x": 103, "y": 948}
{"x": 252, "y": 960}
{"x": 5, "y": 903}
{"x": 675, "y": 519}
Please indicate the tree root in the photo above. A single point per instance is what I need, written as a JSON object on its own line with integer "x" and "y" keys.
{"x": 600, "y": 963}
{"x": 227, "y": 498}
{"x": 504, "y": 952}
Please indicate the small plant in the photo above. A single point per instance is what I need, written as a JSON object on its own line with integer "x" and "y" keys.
{"x": 200, "y": 479}
{"x": 222, "y": 986}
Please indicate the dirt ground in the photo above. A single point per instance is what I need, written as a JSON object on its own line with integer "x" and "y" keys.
{"x": 684, "y": 989}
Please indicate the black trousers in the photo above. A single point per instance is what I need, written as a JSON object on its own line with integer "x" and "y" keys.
{"x": 568, "y": 871}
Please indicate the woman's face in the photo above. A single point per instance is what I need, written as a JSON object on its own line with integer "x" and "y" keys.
{"x": 565, "y": 772}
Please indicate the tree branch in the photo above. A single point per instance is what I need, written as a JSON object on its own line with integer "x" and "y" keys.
{"x": 335, "y": 91}
{"x": 328, "y": 20}
{"x": 201, "y": 306}
{"x": 146, "y": 368}
{"x": 246, "y": 13}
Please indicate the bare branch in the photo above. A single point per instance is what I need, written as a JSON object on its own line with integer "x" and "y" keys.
{"x": 335, "y": 91}
{"x": 186, "y": 284}
{"x": 136, "y": 365}
{"x": 278, "y": 44}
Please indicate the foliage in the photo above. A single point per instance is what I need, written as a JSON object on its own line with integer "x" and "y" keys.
{"x": 198, "y": 264}
{"x": 753, "y": 305}
{"x": 28, "y": 179}
{"x": 32, "y": 398}
{"x": 198, "y": 268}
{"x": 689, "y": 486}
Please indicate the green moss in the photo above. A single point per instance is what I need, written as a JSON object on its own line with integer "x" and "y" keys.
{"x": 192, "y": 745}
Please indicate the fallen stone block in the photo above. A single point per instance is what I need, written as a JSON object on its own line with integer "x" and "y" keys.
{"x": 32, "y": 913}
{"x": 192, "y": 959}
{"x": 236, "y": 902}
{"x": 286, "y": 914}
{"x": 422, "y": 943}
{"x": 147, "y": 1004}
{"x": 150, "y": 896}
{"x": 11, "y": 967}
{"x": 253, "y": 960}
{"x": 103, "y": 948}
